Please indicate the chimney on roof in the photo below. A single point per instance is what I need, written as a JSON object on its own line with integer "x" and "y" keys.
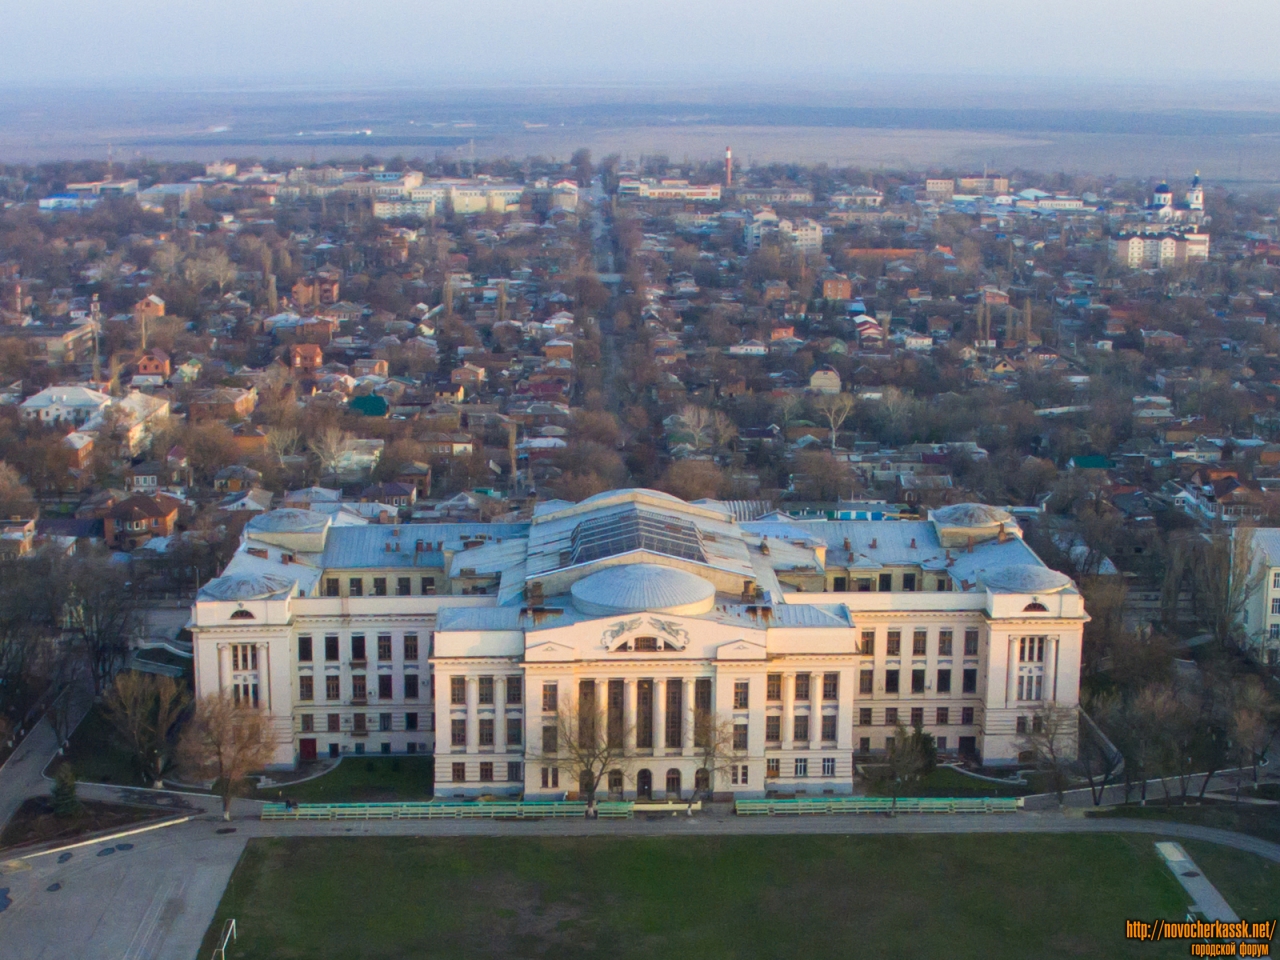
{"x": 874, "y": 542}
{"x": 848, "y": 547}
{"x": 913, "y": 543}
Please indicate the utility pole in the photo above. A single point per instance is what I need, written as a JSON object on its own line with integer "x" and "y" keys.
{"x": 95, "y": 317}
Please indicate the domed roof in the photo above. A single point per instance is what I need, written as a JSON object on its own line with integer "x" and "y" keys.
{"x": 1163, "y": 188}
{"x": 253, "y": 587}
{"x": 637, "y": 587}
{"x": 612, "y": 494}
{"x": 1025, "y": 578}
{"x": 970, "y": 515}
{"x": 289, "y": 520}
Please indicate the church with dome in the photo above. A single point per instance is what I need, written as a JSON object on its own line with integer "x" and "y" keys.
{"x": 719, "y": 654}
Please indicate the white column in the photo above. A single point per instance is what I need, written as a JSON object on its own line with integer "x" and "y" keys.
{"x": 473, "y": 715}
{"x": 1050, "y": 667}
{"x": 440, "y": 707}
{"x": 688, "y": 717}
{"x": 499, "y": 714}
{"x": 224, "y": 666}
{"x": 815, "y": 711}
{"x": 845, "y": 712}
{"x": 629, "y": 715}
{"x": 788, "y": 709}
{"x": 659, "y": 718}
{"x": 264, "y": 676}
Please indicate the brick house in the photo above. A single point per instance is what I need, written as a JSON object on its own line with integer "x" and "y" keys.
{"x": 133, "y": 522}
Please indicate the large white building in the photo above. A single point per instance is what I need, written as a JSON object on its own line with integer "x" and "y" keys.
{"x": 1260, "y": 615}
{"x": 812, "y": 639}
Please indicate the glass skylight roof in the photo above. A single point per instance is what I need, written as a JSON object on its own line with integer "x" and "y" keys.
{"x": 635, "y": 529}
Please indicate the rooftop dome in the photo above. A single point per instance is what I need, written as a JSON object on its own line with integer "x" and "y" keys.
{"x": 970, "y": 515}
{"x": 1025, "y": 578}
{"x": 289, "y": 520}
{"x": 257, "y": 587}
{"x": 612, "y": 494}
{"x": 637, "y": 587}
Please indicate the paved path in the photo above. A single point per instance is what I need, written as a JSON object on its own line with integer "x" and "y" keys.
{"x": 156, "y": 898}
{"x": 20, "y": 777}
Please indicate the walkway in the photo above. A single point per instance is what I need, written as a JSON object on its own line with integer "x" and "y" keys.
{"x": 21, "y": 775}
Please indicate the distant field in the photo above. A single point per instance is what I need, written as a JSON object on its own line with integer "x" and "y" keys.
{"x": 979, "y": 896}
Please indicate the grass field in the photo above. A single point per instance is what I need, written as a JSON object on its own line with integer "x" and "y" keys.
{"x": 988, "y": 896}
{"x": 946, "y": 782}
{"x": 94, "y": 756}
{"x": 362, "y": 780}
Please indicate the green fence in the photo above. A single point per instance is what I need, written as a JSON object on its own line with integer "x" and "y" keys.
{"x": 514, "y": 810}
{"x": 825, "y": 805}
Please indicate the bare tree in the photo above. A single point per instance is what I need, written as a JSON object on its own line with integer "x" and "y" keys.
{"x": 102, "y": 613}
{"x": 225, "y": 742}
{"x": 1051, "y": 738}
{"x": 1100, "y": 760}
{"x": 1224, "y": 579}
{"x": 835, "y": 409}
{"x": 1255, "y": 720}
{"x": 329, "y": 447}
{"x": 584, "y": 748}
{"x": 910, "y": 756}
{"x": 723, "y": 429}
{"x": 282, "y": 441}
{"x": 144, "y": 709}
{"x": 713, "y": 742}
{"x": 698, "y": 421}
{"x": 68, "y": 698}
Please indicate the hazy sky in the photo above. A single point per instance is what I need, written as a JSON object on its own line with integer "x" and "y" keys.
{"x": 187, "y": 43}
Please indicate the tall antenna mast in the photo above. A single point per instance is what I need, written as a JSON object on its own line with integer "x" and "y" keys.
{"x": 95, "y": 317}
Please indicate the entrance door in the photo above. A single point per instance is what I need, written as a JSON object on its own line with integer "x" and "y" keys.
{"x": 307, "y": 748}
{"x": 644, "y": 785}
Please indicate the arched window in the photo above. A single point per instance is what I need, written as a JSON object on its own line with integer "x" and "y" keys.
{"x": 673, "y": 784}
{"x": 702, "y": 780}
{"x": 1035, "y": 606}
{"x": 644, "y": 785}
{"x": 242, "y": 615}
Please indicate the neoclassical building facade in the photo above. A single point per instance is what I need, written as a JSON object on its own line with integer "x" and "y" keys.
{"x": 805, "y": 642}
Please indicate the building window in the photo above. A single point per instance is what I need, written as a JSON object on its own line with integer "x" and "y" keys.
{"x": 909, "y": 582}
{"x": 802, "y": 767}
{"x": 486, "y": 772}
{"x": 1030, "y": 687}
{"x": 868, "y": 647}
{"x": 308, "y": 723}
{"x": 358, "y": 690}
{"x": 830, "y": 686}
{"x": 515, "y": 732}
{"x": 1021, "y": 725}
{"x": 486, "y": 690}
{"x": 331, "y": 688}
{"x": 331, "y": 587}
{"x": 458, "y": 732}
{"x": 244, "y": 656}
{"x": 971, "y": 642}
{"x": 800, "y": 728}
{"x": 428, "y": 586}
{"x": 1275, "y": 631}
{"x": 515, "y": 772}
{"x": 866, "y": 681}
{"x": 944, "y": 681}
{"x": 886, "y": 582}
{"x": 944, "y": 643}
{"x": 550, "y": 698}
{"x": 942, "y": 717}
{"x": 891, "y": 681}
{"x": 459, "y": 773}
{"x": 384, "y": 646}
{"x": 891, "y": 716}
{"x": 802, "y": 686}
{"x": 411, "y": 721}
{"x": 969, "y": 681}
{"x": 741, "y": 694}
{"x": 331, "y": 647}
{"x": 828, "y": 766}
{"x": 702, "y": 697}
{"x": 515, "y": 691}
{"x": 864, "y": 716}
{"x": 864, "y": 745}
{"x": 942, "y": 744}
{"x": 384, "y": 687}
{"x": 773, "y": 728}
{"x": 410, "y": 647}
{"x": 458, "y": 691}
{"x": 773, "y": 687}
{"x": 550, "y": 743}
{"x": 829, "y": 727}
{"x": 917, "y": 717}
{"x": 919, "y": 643}
{"x": 379, "y": 586}
{"x": 306, "y": 688}
{"x": 1031, "y": 650}
{"x": 864, "y": 585}
{"x": 773, "y": 767}
{"x": 355, "y": 587}
{"x": 333, "y": 722}
{"x": 411, "y": 686}
{"x": 1275, "y": 580}
{"x": 384, "y": 722}
{"x": 358, "y": 723}
{"x": 304, "y": 649}
{"x": 966, "y": 716}
{"x": 888, "y": 743}
{"x": 357, "y": 647}
{"x": 645, "y": 644}
{"x": 551, "y": 777}
{"x": 894, "y": 644}
{"x": 739, "y": 736}
{"x": 944, "y": 585}
{"x": 675, "y": 712}
{"x": 917, "y": 681}
{"x": 644, "y": 714}
{"x": 403, "y": 588}
{"x": 486, "y": 732}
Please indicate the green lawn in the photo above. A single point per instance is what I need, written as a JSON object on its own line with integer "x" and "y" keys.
{"x": 1259, "y": 821}
{"x": 1250, "y": 884}
{"x": 981, "y": 896}
{"x": 94, "y": 756}
{"x": 362, "y": 780}
{"x": 946, "y": 782}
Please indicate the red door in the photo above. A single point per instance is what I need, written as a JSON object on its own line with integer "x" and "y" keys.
{"x": 307, "y": 748}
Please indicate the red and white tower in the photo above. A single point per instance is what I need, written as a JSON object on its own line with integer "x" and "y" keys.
{"x": 728, "y": 167}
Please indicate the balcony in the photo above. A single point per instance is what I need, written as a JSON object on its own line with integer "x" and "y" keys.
{"x": 360, "y": 664}
{"x": 362, "y": 732}
{"x": 359, "y": 701}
